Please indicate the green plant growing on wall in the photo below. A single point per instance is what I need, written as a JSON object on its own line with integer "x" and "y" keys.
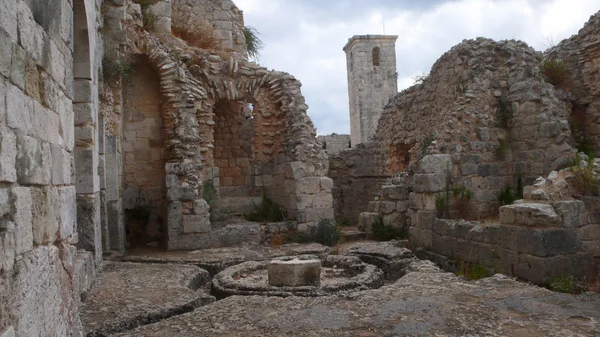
{"x": 327, "y": 232}
{"x": 117, "y": 69}
{"x": 471, "y": 272}
{"x": 506, "y": 196}
{"x": 567, "y": 284}
{"x": 253, "y": 43}
{"x": 267, "y": 211}
{"x": 382, "y": 232}
{"x": 149, "y": 20}
{"x": 426, "y": 142}
{"x": 556, "y": 72}
{"x": 586, "y": 181}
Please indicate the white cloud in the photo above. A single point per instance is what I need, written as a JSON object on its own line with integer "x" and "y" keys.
{"x": 306, "y": 39}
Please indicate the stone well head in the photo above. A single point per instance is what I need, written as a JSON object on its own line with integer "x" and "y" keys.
{"x": 294, "y": 273}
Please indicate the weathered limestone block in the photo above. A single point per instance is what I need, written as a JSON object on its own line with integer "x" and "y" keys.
{"x": 68, "y": 212}
{"x": 8, "y": 332}
{"x": 434, "y": 182}
{"x": 8, "y": 153}
{"x": 389, "y": 257}
{"x": 366, "y": 221}
{"x": 294, "y": 273}
{"x": 84, "y": 271}
{"x": 326, "y": 184}
{"x": 396, "y": 220}
{"x": 529, "y": 214}
{"x": 323, "y": 200}
{"x": 435, "y": 163}
{"x": 22, "y": 216}
{"x": 196, "y": 224}
{"x": 309, "y": 185}
{"x": 539, "y": 242}
{"x": 34, "y": 161}
{"x": 62, "y": 172}
{"x": 541, "y": 270}
{"x": 395, "y": 192}
{"x": 572, "y": 213}
{"x": 315, "y": 214}
{"x": 45, "y": 210}
{"x": 387, "y": 207}
{"x": 201, "y": 207}
{"x": 425, "y": 219}
{"x": 43, "y": 295}
{"x": 182, "y": 193}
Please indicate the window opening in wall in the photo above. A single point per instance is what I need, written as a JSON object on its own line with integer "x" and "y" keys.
{"x": 351, "y": 62}
{"x": 376, "y": 56}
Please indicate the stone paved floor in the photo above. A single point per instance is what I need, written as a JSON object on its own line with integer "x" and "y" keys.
{"x": 425, "y": 302}
{"x": 126, "y": 295}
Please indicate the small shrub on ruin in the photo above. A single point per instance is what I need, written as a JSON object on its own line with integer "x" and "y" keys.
{"x": 200, "y": 36}
{"x": 586, "y": 181}
{"x": 556, "y": 72}
{"x": 567, "y": 284}
{"x": 327, "y": 232}
{"x": 253, "y": 42}
{"x": 266, "y": 211}
{"x": 382, "y": 232}
{"x": 117, "y": 69}
{"x": 426, "y": 143}
{"x": 419, "y": 79}
{"x": 472, "y": 272}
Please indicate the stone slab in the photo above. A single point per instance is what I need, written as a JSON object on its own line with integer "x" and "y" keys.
{"x": 425, "y": 302}
{"x": 126, "y": 295}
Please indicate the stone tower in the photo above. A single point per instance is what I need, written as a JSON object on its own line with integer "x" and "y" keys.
{"x": 372, "y": 81}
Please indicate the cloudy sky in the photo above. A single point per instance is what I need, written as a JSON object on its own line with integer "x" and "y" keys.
{"x": 306, "y": 37}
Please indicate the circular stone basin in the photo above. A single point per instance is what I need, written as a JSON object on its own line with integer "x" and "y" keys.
{"x": 339, "y": 274}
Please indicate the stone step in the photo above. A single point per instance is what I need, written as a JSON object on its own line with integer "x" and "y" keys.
{"x": 353, "y": 235}
{"x": 238, "y": 205}
{"x": 237, "y": 191}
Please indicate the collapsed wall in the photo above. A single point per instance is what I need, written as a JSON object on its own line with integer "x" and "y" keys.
{"x": 580, "y": 55}
{"x": 228, "y": 131}
{"x": 506, "y": 120}
{"x": 357, "y": 175}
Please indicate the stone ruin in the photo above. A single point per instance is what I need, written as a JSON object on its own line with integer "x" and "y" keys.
{"x": 126, "y": 139}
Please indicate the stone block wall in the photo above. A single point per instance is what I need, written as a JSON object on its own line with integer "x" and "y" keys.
{"x": 334, "y": 143}
{"x": 143, "y": 152}
{"x": 223, "y": 15}
{"x": 358, "y": 175}
{"x": 580, "y": 54}
{"x": 532, "y": 241}
{"x": 488, "y": 106}
{"x": 39, "y": 67}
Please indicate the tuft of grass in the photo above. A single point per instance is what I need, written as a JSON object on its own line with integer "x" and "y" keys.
{"x": 556, "y": 72}
{"x": 567, "y": 284}
{"x": 253, "y": 43}
{"x": 327, "y": 233}
{"x": 472, "y": 271}
{"x": 586, "y": 182}
{"x": 266, "y": 211}
{"x": 199, "y": 36}
{"x": 381, "y": 232}
{"x": 115, "y": 70}
{"x": 507, "y": 196}
{"x": 426, "y": 142}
